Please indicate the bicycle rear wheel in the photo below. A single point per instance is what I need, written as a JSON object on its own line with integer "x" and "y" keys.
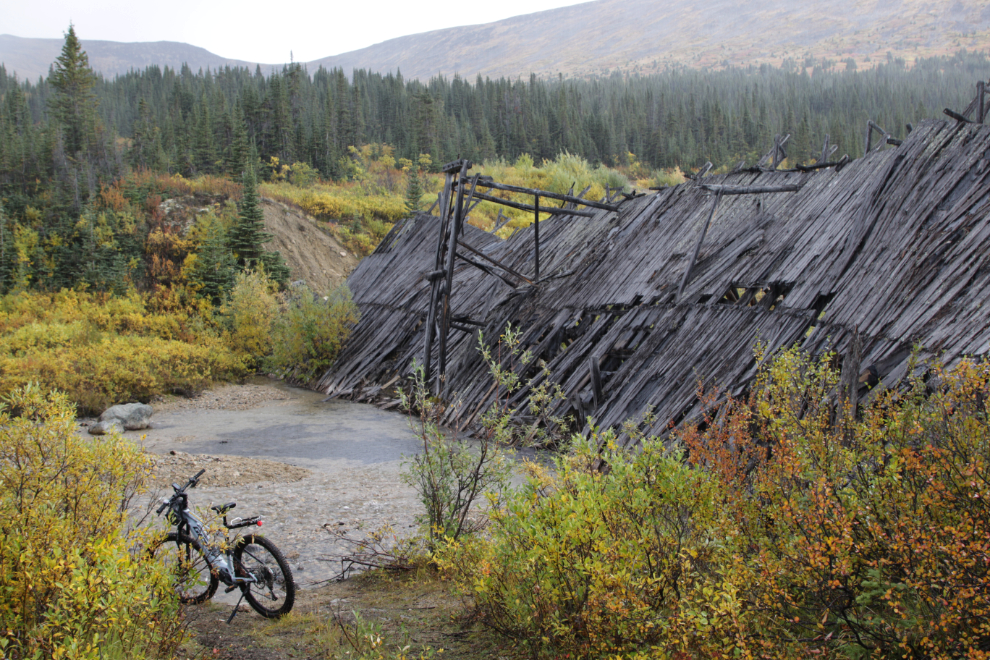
{"x": 274, "y": 591}
{"x": 194, "y": 581}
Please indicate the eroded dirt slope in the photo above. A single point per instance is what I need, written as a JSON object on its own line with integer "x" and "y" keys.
{"x": 312, "y": 254}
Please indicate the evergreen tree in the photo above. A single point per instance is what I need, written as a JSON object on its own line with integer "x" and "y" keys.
{"x": 215, "y": 267}
{"x": 276, "y": 268}
{"x": 239, "y": 152}
{"x": 414, "y": 191}
{"x": 74, "y": 102}
{"x": 248, "y": 235}
{"x": 204, "y": 153}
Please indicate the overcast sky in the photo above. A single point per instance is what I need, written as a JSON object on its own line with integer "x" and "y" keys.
{"x": 255, "y": 30}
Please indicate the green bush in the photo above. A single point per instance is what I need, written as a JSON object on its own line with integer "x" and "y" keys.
{"x": 69, "y": 585}
{"x": 250, "y": 313}
{"x": 593, "y": 563}
{"x": 788, "y": 525}
{"x": 310, "y": 332}
{"x": 451, "y": 475}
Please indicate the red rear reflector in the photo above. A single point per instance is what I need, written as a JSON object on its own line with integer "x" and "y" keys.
{"x": 259, "y": 523}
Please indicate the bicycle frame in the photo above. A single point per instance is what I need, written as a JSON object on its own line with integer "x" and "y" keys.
{"x": 219, "y": 560}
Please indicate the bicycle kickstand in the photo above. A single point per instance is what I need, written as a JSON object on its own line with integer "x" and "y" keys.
{"x": 234, "y": 613}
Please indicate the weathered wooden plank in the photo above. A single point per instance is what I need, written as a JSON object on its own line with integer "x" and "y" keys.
{"x": 891, "y": 244}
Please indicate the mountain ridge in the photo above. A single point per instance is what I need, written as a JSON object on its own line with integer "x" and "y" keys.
{"x": 604, "y": 36}
{"x": 31, "y": 58}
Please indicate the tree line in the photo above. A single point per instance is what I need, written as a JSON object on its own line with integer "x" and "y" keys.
{"x": 66, "y": 138}
{"x": 216, "y": 122}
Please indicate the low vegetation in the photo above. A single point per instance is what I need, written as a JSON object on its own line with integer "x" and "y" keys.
{"x": 73, "y": 583}
{"x": 783, "y": 527}
{"x": 102, "y": 349}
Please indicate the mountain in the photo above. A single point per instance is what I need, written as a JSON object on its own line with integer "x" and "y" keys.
{"x": 640, "y": 36}
{"x": 594, "y": 38}
{"x": 30, "y": 58}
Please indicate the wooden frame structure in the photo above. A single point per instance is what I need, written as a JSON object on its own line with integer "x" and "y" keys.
{"x": 636, "y": 302}
{"x": 451, "y": 248}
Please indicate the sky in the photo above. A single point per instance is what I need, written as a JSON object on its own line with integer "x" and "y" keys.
{"x": 255, "y": 30}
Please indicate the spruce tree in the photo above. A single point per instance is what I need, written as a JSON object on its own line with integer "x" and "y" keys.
{"x": 239, "y": 152}
{"x": 74, "y": 102}
{"x": 215, "y": 268}
{"x": 248, "y": 234}
{"x": 204, "y": 153}
{"x": 414, "y": 191}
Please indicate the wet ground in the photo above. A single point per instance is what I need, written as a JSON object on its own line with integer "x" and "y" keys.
{"x": 246, "y": 436}
{"x": 301, "y": 430}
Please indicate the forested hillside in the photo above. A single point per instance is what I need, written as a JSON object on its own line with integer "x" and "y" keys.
{"x": 644, "y": 36}
{"x": 190, "y": 123}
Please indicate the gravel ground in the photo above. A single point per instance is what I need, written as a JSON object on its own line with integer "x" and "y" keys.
{"x": 297, "y": 503}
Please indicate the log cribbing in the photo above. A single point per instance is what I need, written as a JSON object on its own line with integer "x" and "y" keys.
{"x": 886, "y": 253}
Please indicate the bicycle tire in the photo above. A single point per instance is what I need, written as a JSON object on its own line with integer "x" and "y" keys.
{"x": 255, "y": 555}
{"x": 195, "y": 581}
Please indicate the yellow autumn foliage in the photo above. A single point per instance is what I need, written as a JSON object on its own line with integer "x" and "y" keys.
{"x": 73, "y": 583}
{"x": 102, "y": 350}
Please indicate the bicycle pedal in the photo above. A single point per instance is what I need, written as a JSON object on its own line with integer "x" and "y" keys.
{"x": 230, "y": 588}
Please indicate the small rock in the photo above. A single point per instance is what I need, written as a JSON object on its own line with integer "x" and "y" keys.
{"x": 102, "y": 428}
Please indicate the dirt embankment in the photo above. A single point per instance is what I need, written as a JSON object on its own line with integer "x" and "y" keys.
{"x": 312, "y": 254}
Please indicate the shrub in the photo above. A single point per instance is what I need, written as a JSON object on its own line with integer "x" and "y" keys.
{"x": 103, "y": 350}
{"x": 787, "y": 525}
{"x": 593, "y": 563}
{"x": 451, "y": 475}
{"x": 310, "y": 332}
{"x": 251, "y": 312}
{"x": 69, "y": 587}
{"x": 868, "y": 537}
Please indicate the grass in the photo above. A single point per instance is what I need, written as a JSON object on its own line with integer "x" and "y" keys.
{"x": 414, "y": 614}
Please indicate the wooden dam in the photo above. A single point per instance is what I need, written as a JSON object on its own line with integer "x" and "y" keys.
{"x": 633, "y": 301}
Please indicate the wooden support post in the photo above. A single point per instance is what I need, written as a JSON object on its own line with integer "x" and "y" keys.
{"x": 849, "y": 383}
{"x": 597, "y": 392}
{"x": 487, "y": 183}
{"x": 500, "y": 222}
{"x": 956, "y": 116}
{"x": 527, "y": 207}
{"x": 445, "y": 310}
{"x": 749, "y": 190}
{"x": 697, "y": 247}
{"x": 536, "y": 236}
{"x": 493, "y": 261}
{"x": 980, "y": 90}
{"x": 702, "y": 171}
{"x": 437, "y": 282}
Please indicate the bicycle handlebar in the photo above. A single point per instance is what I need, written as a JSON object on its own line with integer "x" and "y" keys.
{"x": 179, "y": 490}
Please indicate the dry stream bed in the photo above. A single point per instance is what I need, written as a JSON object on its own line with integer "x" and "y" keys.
{"x": 303, "y": 464}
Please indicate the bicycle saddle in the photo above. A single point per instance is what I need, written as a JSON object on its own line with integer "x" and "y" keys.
{"x": 223, "y": 508}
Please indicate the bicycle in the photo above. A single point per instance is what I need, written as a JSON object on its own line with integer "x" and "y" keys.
{"x": 251, "y": 563}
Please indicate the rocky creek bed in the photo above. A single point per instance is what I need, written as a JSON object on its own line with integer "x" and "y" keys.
{"x": 284, "y": 454}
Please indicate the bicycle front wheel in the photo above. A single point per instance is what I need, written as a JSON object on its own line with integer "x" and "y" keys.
{"x": 273, "y": 590}
{"x": 194, "y": 581}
